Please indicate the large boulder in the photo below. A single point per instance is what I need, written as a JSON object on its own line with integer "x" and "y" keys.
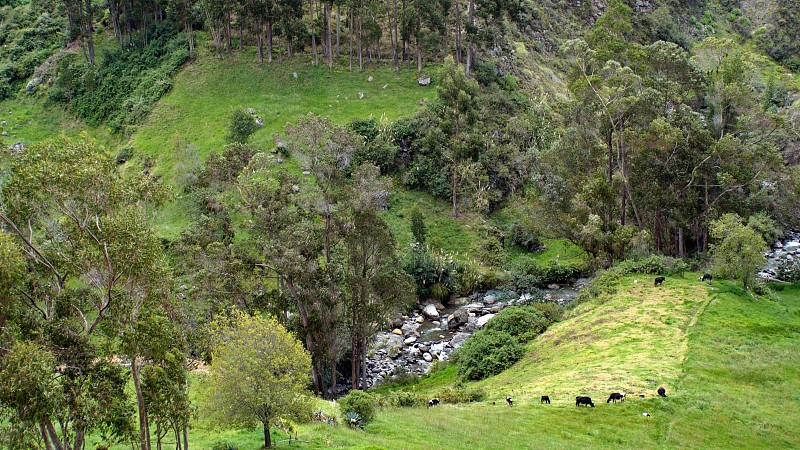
{"x": 430, "y": 312}
{"x": 483, "y": 319}
{"x": 458, "y": 318}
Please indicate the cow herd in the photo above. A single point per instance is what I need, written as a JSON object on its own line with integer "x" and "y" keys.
{"x": 580, "y": 400}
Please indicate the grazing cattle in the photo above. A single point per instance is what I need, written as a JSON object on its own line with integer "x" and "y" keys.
{"x": 545, "y": 399}
{"x": 646, "y": 414}
{"x": 580, "y": 400}
{"x": 433, "y": 402}
{"x": 641, "y": 395}
{"x": 707, "y": 277}
{"x": 616, "y": 396}
{"x": 662, "y": 392}
{"x": 659, "y": 280}
{"x": 509, "y": 401}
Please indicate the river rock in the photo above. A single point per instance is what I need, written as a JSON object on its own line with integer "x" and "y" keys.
{"x": 370, "y": 79}
{"x": 483, "y": 319}
{"x": 397, "y": 322}
{"x": 458, "y": 339}
{"x": 397, "y": 331}
{"x": 423, "y": 347}
{"x": 424, "y": 80}
{"x": 458, "y": 301}
{"x": 419, "y": 319}
{"x": 427, "y": 357}
{"x": 459, "y": 317}
{"x": 430, "y": 312}
{"x": 496, "y": 309}
{"x": 410, "y": 340}
{"x": 490, "y": 299}
{"x": 409, "y": 327}
{"x": 436, "y": 323}
{"x": 553, "y": 286}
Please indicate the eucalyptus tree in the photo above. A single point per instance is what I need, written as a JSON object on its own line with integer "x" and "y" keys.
{"x": 457, "y": 95}
{"x": 92, "y": 264}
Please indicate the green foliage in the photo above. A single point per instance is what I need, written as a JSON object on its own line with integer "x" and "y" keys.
{"x": 259, "y": 373}
{"x": 605, "y": 281}
{"x": 418, "y": 226}
{"x": 240, "y": 126}
{"x": 435, "y": 272}
{"x": 528, "y": 275}
{"x": 359, "y": 402}
{"x": 738, "y": 252}
{"x": 122, "y": 89}
{"x": 525, "y": 236}
{"x": 521, "y": 322}
{"x": 461, "y": 394}
{"x": 223, "y": 445}
{"x": 552, "y": 311}
{"x": 402, "y": 399}
{"x": 487, "y": 353}
{"x": 29, "y": 34}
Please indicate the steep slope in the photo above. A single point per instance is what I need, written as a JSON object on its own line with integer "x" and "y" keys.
{"x": 633, "y": 341}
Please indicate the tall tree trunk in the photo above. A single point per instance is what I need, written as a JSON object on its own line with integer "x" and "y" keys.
{"x": 681, "y": 243}
{"x": 470, "y": 45}
{"x": 241, "y": 33}
{"x": 338, "y": 26}
{"x": 363, "y": 351}
{"x": 260, "y": 27}
{"x": 419, "y": 55}
{"x": 45, "y": 437}
{"x": 313, "y": 36}
{"x": 395, "y": 46}
{"x": 228, "y": 39}
{"x": 191, "y": 38}
{"x": 269, "y": 40}
{"x": 144, "y": 425}
{"x": 329, "y": 50}
{"x": 89, "y": 31}
{"x": 267, "y": 437}
{"x": 458, "y": 32}
{"x": 360, "y": 36}
{"x": 186, "y": 437}
{"x": 51, "y": 430}
{"x": 350, "y": 17}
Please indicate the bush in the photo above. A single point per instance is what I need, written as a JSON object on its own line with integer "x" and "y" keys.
{"x": 487, "y": 353}
{"x": 552, "y": 311}
{"x": 435, "y": 272}
{"x": 241, "y": 126}
{"x": 359, "y": 402}
{"x": 522, "y": 322}
{"x": 525, "y": 236}
{"x": 402, "y": 399}
{"x": 527, "y": 275}
{"x": 460, "y": 394}
{"x": 222, "y": 445}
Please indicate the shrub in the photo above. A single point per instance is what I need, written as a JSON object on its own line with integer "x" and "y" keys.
{"x": 434, "y": 271}
{"x": 487, "y": 353}
{"x": 402, "y": 399}
{"x": 461, "y": 394}
{"x": 522, "y": 322}
{"x": 222, "y": 445}
{"x": 552, "y": 311}
{"x": 527, "y": 275}
{"x": 358, "y": 402}
{"x": 524, "y": 235}
{"x": 241, "y": 126}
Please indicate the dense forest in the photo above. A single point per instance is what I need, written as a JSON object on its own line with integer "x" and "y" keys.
{"x": 629, "y": 131}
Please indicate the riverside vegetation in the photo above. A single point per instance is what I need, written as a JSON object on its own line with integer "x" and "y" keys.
{"x": 181, "y": 180}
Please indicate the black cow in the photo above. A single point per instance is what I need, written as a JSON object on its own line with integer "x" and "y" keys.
{"x": 616, "y": 396}
{"x": 433, "y": 402}
{"x": 579, "y": 400}
{"x": 662, "y": 392}
{"x": 706, "y": 277}
{"x": 659, "y": 280}
{"x": 509, "y": 401}
{"x": 545, "y": 399}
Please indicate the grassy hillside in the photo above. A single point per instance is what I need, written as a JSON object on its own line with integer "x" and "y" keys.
{"x": 727, "y": 360}
{"x": 196, "y": 111}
